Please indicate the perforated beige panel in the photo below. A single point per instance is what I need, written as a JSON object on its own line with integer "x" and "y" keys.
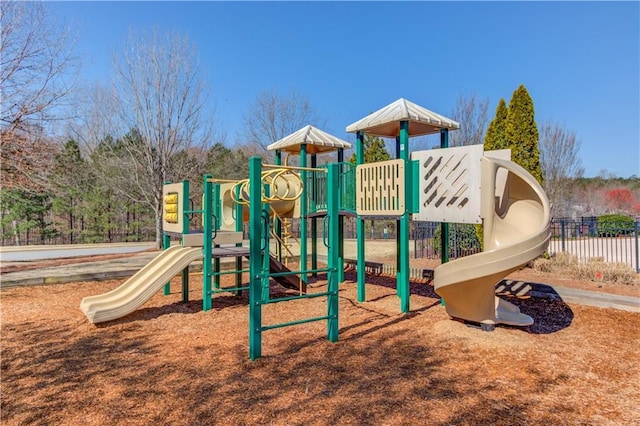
{"x": 380, "y": 188}
{"x": 173, "y": 188}
{"x": 450, "y": 184}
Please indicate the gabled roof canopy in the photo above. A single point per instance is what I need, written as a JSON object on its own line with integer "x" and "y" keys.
{"x": 316, "y": 140}
{"x": 386, "y": 121}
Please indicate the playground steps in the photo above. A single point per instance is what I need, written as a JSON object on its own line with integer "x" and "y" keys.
{"x": 375, "y": 268}
{"x": 292, "y": 282}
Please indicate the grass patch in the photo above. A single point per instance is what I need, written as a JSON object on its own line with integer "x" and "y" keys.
{"x": 594, "y": 269}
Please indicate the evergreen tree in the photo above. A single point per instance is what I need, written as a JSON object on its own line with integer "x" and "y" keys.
{"x": 69, "y": 183}
{"x": 521, "y": 131}
{"x": 495, "y": 138}
{"x": 374, "y": 150}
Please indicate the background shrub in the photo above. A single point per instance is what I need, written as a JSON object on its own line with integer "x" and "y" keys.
{"x": 463, "y": 240}
{"x": 612, "y": 225}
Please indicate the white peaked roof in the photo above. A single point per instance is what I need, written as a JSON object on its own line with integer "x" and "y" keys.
{"x": 316, "y": 140}
{"x": 386, "y": 121}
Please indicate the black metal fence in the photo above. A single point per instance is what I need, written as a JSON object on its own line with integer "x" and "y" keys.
{"x": 581, "y": 237}
{"x": 586, "y": 240}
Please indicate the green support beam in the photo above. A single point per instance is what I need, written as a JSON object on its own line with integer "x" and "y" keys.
{"x": 166, "y": 243}
{"x": 303, "y": 213}
{"x": 255, "y": 257}
{"x": 341, "y": 218}
{"x": 277, "y": 222}
{"x": 398, "y": 239}
{"x": 403, "y": 265}
{"x": 239, "y": 228}
{"x": 217, "y": 211}
{"x": 444, "y": 234}
{"x": 207, "y": 207}
{"x": 360, "y": 227}
{"x": 333, "y": 198}
{"x": 314, "y": 220}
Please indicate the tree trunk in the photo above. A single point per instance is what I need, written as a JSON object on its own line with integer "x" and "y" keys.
{"x": 16, "y": 235}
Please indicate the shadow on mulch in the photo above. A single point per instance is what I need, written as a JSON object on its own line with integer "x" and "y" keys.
{"x": 541, "y": 302}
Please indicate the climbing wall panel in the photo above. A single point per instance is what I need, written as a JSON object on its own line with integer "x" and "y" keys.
{"x": 449, "y": 184}
{"x": 380, "y": 188}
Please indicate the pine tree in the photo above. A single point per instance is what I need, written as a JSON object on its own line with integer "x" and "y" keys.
{"x": 374, "y": 150}
{"x": 495, "y": 137}
{"x": 521, "y": 131}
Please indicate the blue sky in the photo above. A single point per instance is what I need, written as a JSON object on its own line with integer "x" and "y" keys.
{"x": 579, "y": 60}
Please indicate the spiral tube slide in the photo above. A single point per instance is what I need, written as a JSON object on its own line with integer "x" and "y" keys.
{"x": 134, "y": 292}
{"x": 516, "y": 230}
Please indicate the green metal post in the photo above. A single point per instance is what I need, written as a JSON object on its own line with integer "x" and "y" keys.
{"x": 239, "y": 228}
{"x": 340, "y": 218}
{"x": 207, "y": 208}
{"x": 314, "y": 220}
{"x": 278, "y": 223}
{"x": 185, "y": 230}
{"x": 217, "y": 210}
{"x": 303, "y": 214}
{"x": 255, "y": 260}
{"x": 398, "y": 240}
{"x": 333, "y": 197}
{"x": 359, "y": 226}
{"x": 266, "y": 244}
{"x": 403, "y": 266}
{"x": 166, "y": 243}
{"x": 444, "y": 227}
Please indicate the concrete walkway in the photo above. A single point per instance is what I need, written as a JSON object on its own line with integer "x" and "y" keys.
{"x": 127, "y": 266}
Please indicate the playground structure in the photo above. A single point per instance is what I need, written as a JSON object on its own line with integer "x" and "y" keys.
{"x": 462, "y": 184}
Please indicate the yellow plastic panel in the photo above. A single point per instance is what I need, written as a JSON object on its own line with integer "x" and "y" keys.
{"x": 172, "y": 216}
{"x": 380, "y": 188}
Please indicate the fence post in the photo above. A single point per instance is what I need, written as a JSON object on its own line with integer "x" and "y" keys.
{"x": 635, "y": 226}
{"x": 562, "y": 234}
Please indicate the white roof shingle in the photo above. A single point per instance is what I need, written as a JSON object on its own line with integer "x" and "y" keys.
{"x": 316, "y": 140}
{"x": 386, "y": 121}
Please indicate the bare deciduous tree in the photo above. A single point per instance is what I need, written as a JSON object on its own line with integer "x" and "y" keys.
{"x": 162, "y": 100}
{"x": 272, "y": 117}
{"x": 37, "y": 66}
{"x": 560, "y": 161}
{"x": 473, "y": 115}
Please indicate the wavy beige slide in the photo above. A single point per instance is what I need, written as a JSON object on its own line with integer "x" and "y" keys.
{"x": 516, "y": 230}
{"x": 140, "y": 287}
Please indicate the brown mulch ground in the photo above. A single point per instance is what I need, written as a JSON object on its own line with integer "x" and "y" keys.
{"x": 171, "y": 363}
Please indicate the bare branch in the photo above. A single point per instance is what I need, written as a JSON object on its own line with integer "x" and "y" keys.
{"x": 272, "y": 117}
{"x": 473, "y": 115}
{"x": 559, "y": 149}
{"x": 37, "y": 67}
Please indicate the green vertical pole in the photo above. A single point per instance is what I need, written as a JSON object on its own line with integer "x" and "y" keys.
{"x": 278, "y": 224}
{"x": 444, "y": 227}
{"x": 255, "y": 261}
{"x": 403, "y": 266}
{"x": 267, "y": 246}
{"x": 333, "y": 198}
{"x": 360, "y": 258}
{"x": 166, "y": 243}
{"x": 217, "y": 211}
{"x": 207, "y": 207}
{"x": 303, "y": 214}
{"x": 314, "y": 220}
{"x": 341, "y": 194}
{"x": 185, "y": 230}
{"x": 398, "y": 239}
{"x": 239, "y": 228}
